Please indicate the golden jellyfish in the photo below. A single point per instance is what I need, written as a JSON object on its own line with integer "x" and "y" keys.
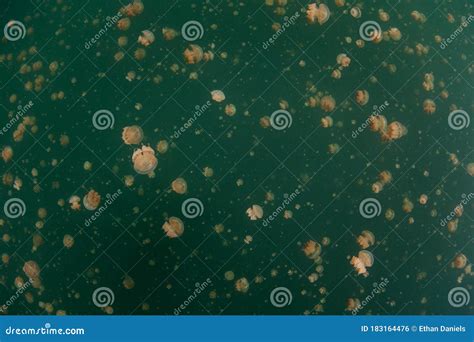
{"x": 162, "y": 146}
{"x": 146, "y": 38}
{"x": 394, "y": 34}
{"x": 407, "y": 205}
{"x": 7, "y": 154}
{"x": 377, "y": 187}
{"x": 362, "y": 261}
{"x": 139, "y": 54}
{"x": 395, "y": 130}
{"x": 173, "y": 227}
{"x": 128, "y": 283}
{"x": 343, "y": 60}
{"x": 340, "y": 3}
{"x": 470, "y": 169}
{"x": 255, "y": 212}
{"x": 169, "y": 33}
{"x": 193, "y": 54}
{"x": 366, "y": 239}
{"x": 356, "y": 12}
{"x": 389, "y": 214}
{"x": 217, "y": 95}
{"x": 423, "y": 199}
{"x": 460, "y": 261}
{"x": 91, "y": 200}
{"x": 312, "y": 249}
{"x": 208, "y": 56}
{"x": 334, "y": 148}
{"x": 144, "y": 160}
{"x": 452, "y": 225}
{"x": 68, "y": 241}
{"x": 32, "y": 271}
{"x": 362, "y": 97}
{"x": 327, "y": 122}
{"x": 383, "y": 16}
{"x": 317, "y": 13}
{"x": 179, "y": 186}
{"x": 336, "y": 74}
{"x": 385, "y": 177}
{"x": 328, "y": 103}
{"x": 378, "y": 123}
{"x": 230, "y": 110}
{"x": 132, "y": 135}
{"x": 242, "y": 285}
{"x": 75, "y": 202}
{"x": 429, "y": 106}
{"x": 123, "y": 24}
{"x": 352, "y": 304}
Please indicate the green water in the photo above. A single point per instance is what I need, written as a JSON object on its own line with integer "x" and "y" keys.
{"x": 127, "y": 239}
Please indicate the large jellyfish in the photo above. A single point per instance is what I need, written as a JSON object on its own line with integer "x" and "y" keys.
{"x": 144, "y": 160}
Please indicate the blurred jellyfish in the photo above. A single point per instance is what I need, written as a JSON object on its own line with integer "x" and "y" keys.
{"x": 217, "y": 95}
{"x": 193, "y": 54}
{"x": 230, "y": 110}
{"x": 326, "y": 122}
{"x": 352, "y": 304}
{"x": 366, "y": 239}
{"x": 32, "y": 271}
{"x": 460, "y": 261}
{"x": 162, "y": 146}
{"x": 68, "y": 241}
{"x": 255, "y": 212}
{"x": 362, "y": 97}
{"x": 328, "y": 103}
{"x": 395, "y": 34}
{"x": 470, "y": 169}
{"x": 423, "y": 199}
{"x": 334, "y": 148}
{"x": 364, "y": 260}
{"x": 407, "y": 205}
{"x": 312, "y": 249}
{"x": 7, "y": 154}
{"x": 317, "y": 13}
{"x": 389, "y": 214}
{"x": 146, "y": 38}
{"x": 429, "y": 106}
{"x": 173, "y": 227}
{"x": 385, "y": 177}
{"x": 336, "y": 74}
{"x": 378, "y": 123}
{"x": 75, "y": 202}
{"x": 144, "y": 160}
{"x": 124, "y": 24}
{"x": 132, "y": 135}
{"x": 242, "y": 285}
{"x": 91, "y": 200}
{"x": 169, "y": 33}
{"x": 343, "y": 60}
{"x": 356, "y": 12}
{"x": 179, "y": 186}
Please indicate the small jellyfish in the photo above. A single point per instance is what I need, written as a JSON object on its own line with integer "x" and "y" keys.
{"x": 326, "y": 122}
{"x": 378, "y": 123}
{"x": 173, "y": 227}
{"x": 68, "y": 241}
{"x": 162, "y": 146}
{"x": 423, "y": 199}
{"x": 146, "y": 38}
{"x": 312, "y": 249}
{"x": 75, "y": 202}
{"x": 460, "y": 261}
{"x": 364, "y": 260}
{"x": 7, "y": 154}
{"x": 336, "y": 74}
{"x": 389, "y": 214}
{"x": 328, "y": 103}
{"x": 343, "y": 60}
{"x": 470, "y": 169}
{"x": 230, "y": 110}
{"x": 429, "y": 106}
{"x": 394, "y": 34}
{"x": 255, "y": 212}
{"x": 352, "y": 304}
{"x": 124, "y": 24}
{"x": 217, "y": 95}
{"x": 179, "y": 186}
{"x": 193, "y": 54}
{"x": 334, "y": 148}
{"x": 242, "y": 285}
{"x": 91, "y": 200}
{"x": 317, "y": 13}
{"x": 362, "y": 97}
{"x": 366, "y": 239}
{"x": 385, "y": 177}
{"x": 169, "y": 33}
{"x": 132, "y": 135}
{"x": 144, "y": 160}
{"x": 395, "y": 130}
{"x": 356, "y": 12}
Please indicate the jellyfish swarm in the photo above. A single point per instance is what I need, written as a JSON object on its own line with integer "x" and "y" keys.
{"x": 144, "y": 160}
{"x": 362, "y": 261}
{"x": 173, "y": 227}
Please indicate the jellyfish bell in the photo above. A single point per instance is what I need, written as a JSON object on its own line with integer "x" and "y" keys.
{"x": 366, "y": 257}
{"x": 356, "y": 12}
{"x": 429, "y": 106}
{"x": 327, "y": 122}
{"x": 255, "y": 212}
{"x": 312, "y": 249}
{"x": 317, "y": 13}
{"x": 395, "y": 34}
{"x": 144, "y": 160}
{"x": 173, "y": 227}
{"x": 193, "y": 54}
{"x": 362, "y": 97}
{"x": 146, "y": 38}
{"x": 395, "y": 130}
{"x": 180, "y": 186}
{"x": 327, "y": 103}
{"x": 132, "y": 135}
{"x": 378, "y": 123}
{"x": 343, "y": 60}
{"x": 75, "y": 202}
{"x": 91, "y": 200}
{"x": 366, "y": 239}
{"x": 242, "y": 285}
{"x": 359, "y": 266}
{"x": 460, "y": 261}
{"x": 217, "y": 95}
